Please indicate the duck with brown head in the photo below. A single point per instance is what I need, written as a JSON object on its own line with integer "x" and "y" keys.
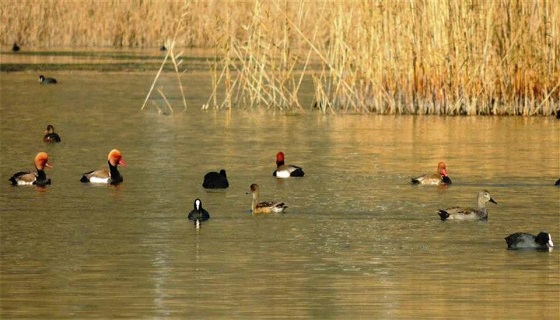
{"x": 110, "y": 176}
{"x": 38, "y": 178}
{"x": 264, "y": 207}
{"x": 50, "y": 135}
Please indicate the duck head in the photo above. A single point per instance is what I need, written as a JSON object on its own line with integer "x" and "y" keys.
{"x": 442, "y": 169}
{"x": 280, "y": 159}
{"x": 42, "y": 161}
{"x": 115, "y": 158}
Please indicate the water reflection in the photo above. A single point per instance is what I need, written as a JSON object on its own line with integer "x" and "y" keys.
{"x": 357, "y": 241}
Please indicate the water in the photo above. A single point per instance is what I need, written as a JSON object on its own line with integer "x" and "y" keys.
{"x": 357, "y": 241}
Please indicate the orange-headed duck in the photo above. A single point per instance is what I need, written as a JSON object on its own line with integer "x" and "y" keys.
{"x": 264, "y": 206}
{"x": 215, "y": 180}
{"x": 521, "y": 240}
{"x": 34, "y": 178}
{"x": 111, "y": 176}
{"x": 286, "y": 170}
{"x": 43, "y": 80}
{"x": 461, "y": 213}
{"x": 198, "y": 214}
{"x": 438, "y": 178}
{"x": 50, "y": 135}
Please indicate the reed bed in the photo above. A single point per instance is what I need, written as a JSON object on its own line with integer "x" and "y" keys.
{"x": 444, "y": 57}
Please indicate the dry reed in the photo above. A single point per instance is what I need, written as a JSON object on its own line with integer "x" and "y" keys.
{"x": 446, "y": 57}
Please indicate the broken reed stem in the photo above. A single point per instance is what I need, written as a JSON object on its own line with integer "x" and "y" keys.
{"x": 157, "y": 77}
{"x": 166, "y": 101}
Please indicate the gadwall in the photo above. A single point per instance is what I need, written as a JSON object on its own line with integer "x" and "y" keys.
{"x": 462, "y": 213}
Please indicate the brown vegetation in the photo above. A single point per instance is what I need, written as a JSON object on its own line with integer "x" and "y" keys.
{"x": 392, "y": 57}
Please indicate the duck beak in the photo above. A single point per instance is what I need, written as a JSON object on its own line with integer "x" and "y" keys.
{"x": 122, "y": 163}
{"x": 48, "y": 165}
{"x": 492, "y": 200}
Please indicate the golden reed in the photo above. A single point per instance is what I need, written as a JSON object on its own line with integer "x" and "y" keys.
{"x": 447, "y": 57}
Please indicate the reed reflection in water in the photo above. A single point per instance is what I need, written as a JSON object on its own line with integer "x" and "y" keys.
{"x": 357, "y": 241}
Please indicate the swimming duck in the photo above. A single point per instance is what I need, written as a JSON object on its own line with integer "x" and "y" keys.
{"x": 15, "y": 47}
{"x": 215, "y": 180}
{"x": 438, "y": 178}
{"x": 285, "y": 170}
{"x": 521, "y": 240}
{"x": 43, "y": 80}
{"x": 198, "y": 214}
{"x": 50, "y": 135}
{"x": 31, "y": 178}
{"x": 460, "y": 213}
{"x": 111, "y": 176}
{"x": 264, "y": 206}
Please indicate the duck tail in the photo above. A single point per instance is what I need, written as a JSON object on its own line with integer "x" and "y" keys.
{"x": 414, "y": 181}
{"x": 443, "y": 215}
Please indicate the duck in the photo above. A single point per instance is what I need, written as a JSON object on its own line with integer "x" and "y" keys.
{"x": 461, "y": 213}
{"x": 38, "y": 178}
{"x": 15, "y": 47}
{"x": 198, "y": 214}
{"x": 111, "y": 176}
{"x": 215, "y": 180}
{"x": 286, "y": 170}
{"x": 521, "y": 240}
{"x": 43, "y": 80}
{"x": 50, "y": 135}
{"x": 263, "y": 207}
{"x": 438, "y": 178}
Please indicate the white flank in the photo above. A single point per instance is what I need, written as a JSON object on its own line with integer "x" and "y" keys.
{"x": 99, "y": 180}
{"x": 283, "y": 174}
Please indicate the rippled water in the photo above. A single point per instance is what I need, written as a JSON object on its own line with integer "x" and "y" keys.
{"x": 357, "y": 241}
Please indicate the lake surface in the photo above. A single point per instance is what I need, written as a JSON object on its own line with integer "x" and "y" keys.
{"x": 357, "y": 240}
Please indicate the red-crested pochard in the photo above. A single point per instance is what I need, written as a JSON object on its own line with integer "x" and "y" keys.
{"x": 260, "y": 207}
{"x": 438, "y": 178}
{"x": 109, "y": 176}
{"x": 34, "y": 178}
